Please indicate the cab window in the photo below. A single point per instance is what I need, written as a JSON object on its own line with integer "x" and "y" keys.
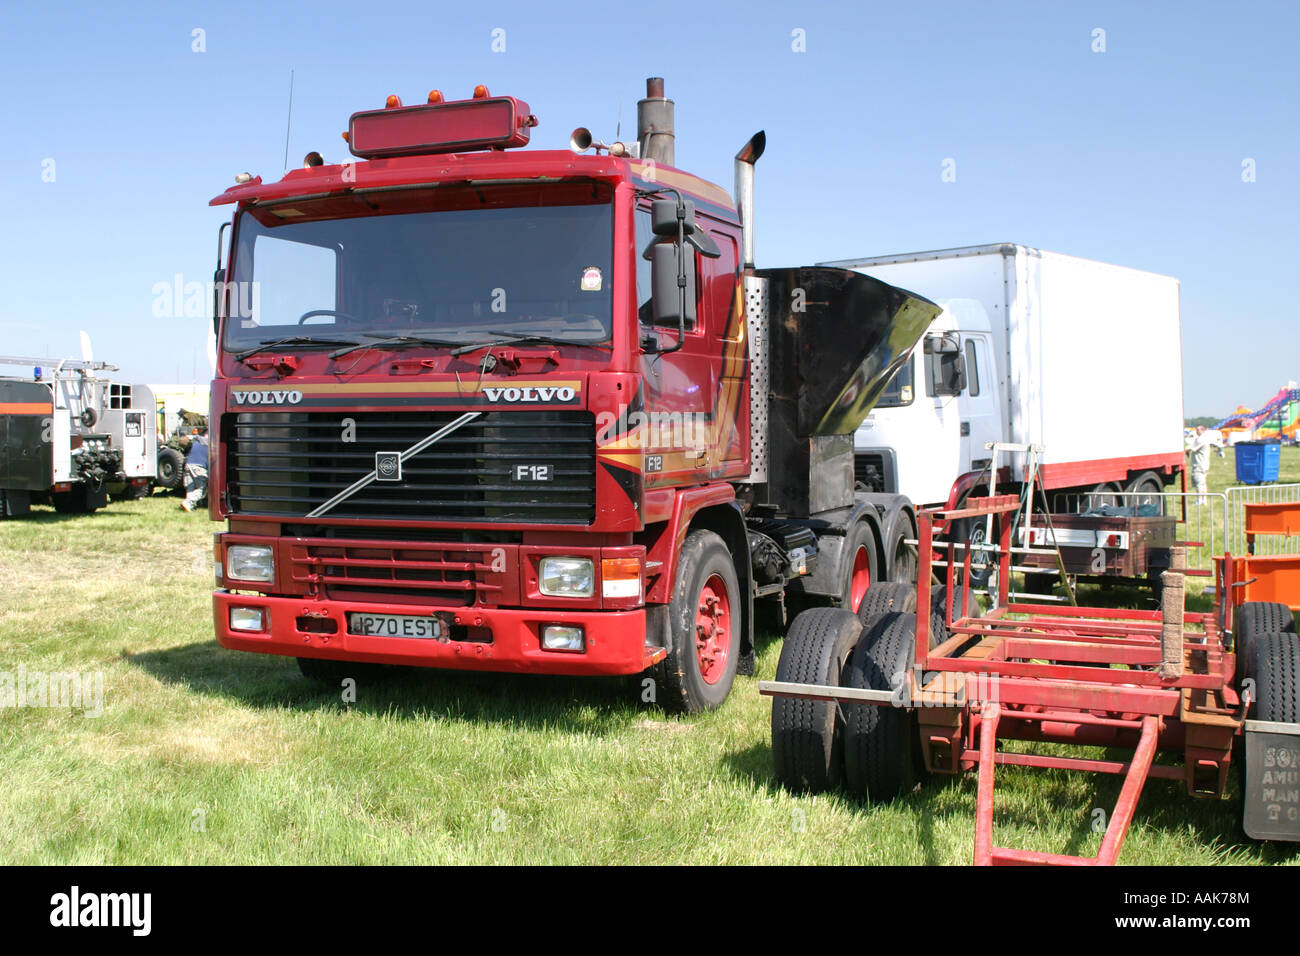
{"x": 972, "y": 370}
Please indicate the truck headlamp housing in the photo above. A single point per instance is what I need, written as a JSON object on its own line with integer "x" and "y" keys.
{"x": 567, "y": 577}
{"x": 250, "y": 562}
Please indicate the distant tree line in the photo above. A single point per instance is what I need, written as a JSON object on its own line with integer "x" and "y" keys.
{"x": 1206, "y": 420}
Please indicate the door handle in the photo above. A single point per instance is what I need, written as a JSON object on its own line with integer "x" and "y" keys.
{"x": 965, "y": 429}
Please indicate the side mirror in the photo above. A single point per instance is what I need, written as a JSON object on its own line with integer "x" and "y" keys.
{"x": 666, "y": 293}
{"x": 663, "y": 218}
{"x": 942, "y": 345}
{"x": 663, "y": 223}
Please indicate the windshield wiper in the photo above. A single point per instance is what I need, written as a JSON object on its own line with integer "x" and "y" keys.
{"x": 389, "y": 341}
{"x": 267, "y": 344}
{"x": 513, "y": 338}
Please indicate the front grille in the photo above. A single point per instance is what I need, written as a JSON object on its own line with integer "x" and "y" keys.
{"x": 869, "y": 471}
{"x": 404, "y": 573}
{"x": 290, "y": 463}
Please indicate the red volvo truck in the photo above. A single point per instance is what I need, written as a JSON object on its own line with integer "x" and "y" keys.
{"x": 497, "y": 409}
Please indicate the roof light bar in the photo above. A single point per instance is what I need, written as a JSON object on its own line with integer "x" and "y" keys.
{"x": 485, "y": 122}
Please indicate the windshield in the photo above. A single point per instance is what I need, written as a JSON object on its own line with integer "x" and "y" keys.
{"x": 459, "y": 265}
{"x": 899, "y": 390}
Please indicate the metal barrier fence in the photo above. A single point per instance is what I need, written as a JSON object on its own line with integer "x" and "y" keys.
{"x": 1241, "y": 495}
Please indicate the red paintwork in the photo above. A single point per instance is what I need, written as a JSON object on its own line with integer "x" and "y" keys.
{"x": 1072, "y": 474}
{"x": 861, "y": 579}
{"x": 713, "y": 629}
{"x": 615, "y": 640}
{"x": 441, "y": 126}
{"x": 639, "y": 512}
{"x": 1025, "y": 678}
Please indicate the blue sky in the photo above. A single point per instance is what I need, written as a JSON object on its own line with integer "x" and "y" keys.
{"x": 1132, "y": 156}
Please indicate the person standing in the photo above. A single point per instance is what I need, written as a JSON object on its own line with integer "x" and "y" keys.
{"x": 196, "y": 471}
{"x": 1199, "y": 450}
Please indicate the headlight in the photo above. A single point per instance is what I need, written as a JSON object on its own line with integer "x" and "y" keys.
{"x": 567, "y": 577}
{"x": 557, "y": 637}
{"x": 247, "y": 619}
{"x": 250, "y": 562}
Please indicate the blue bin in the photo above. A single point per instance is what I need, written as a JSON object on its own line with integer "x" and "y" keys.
{"x": 1257, "y": 461}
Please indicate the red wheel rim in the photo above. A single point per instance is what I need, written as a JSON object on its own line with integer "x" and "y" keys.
{"x": 861, "y": 579}
{"x": 713, "y": 629}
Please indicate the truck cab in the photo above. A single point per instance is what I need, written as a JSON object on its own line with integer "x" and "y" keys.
{"x": 485, "y": 408}
{"x": 938, "y": 413}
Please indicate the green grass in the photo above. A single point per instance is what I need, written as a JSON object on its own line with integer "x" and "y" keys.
{"x": 210, "y": 756}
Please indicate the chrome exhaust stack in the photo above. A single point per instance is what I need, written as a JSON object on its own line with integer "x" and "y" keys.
{"x": 745, "y": 160}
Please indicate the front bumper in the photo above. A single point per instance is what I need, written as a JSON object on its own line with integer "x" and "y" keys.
{"x": 295, "y": 627}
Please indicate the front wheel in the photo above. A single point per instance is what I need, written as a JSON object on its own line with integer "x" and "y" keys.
{"x": 171, "y": 468}
{"x": 705, "y": 618}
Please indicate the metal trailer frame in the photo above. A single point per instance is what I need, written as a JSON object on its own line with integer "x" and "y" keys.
{"x": 1030, "y": 672}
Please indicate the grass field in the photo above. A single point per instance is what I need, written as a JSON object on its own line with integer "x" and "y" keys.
{"x": 203, "y": 755}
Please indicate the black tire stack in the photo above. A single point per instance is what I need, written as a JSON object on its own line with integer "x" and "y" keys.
{"x": 1268, "y": 653}
{"x": 873, "y": 750}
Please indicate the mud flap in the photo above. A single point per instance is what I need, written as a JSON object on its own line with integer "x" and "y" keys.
{"x": 1271, "y": 804}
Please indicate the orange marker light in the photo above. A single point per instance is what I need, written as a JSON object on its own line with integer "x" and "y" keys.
{"x": 620, "y": 577}
{"x": 480, "y": 92}
{"x": 393, "y": 102}
{"x": 435, "y": 96}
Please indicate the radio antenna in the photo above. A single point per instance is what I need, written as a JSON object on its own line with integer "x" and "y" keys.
{"x": 288, "y": 120}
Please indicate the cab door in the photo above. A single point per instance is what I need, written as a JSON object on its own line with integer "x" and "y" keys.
{"x": 680, "y": 387}
{"x": 980, "y": 422}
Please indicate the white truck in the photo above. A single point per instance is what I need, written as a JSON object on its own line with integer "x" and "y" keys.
{"x": 1033, "y": 347}
{"x": 70, "y": 438}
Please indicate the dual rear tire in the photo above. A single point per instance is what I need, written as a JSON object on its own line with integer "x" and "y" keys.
{"x": 1254, "y": 618}
{"x": 872, "y": 750}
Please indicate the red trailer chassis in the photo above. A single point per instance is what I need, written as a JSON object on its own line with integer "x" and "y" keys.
{"x": 1063, "y": 675}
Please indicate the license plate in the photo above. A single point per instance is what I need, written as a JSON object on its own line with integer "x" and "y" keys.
{"x": 395, "y": 625}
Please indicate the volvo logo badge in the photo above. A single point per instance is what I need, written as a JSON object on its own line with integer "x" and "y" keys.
{"x": 388, "y": 466}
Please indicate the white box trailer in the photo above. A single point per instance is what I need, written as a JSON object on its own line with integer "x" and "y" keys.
{"x": 1034, "y": 347}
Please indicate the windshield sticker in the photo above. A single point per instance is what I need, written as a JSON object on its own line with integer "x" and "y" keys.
{"x": 591, "y": 279}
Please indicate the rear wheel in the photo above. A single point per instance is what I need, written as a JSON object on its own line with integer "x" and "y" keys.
{"x": 880, "y": 739}
{"x": 886, "y": 596}
{"x": 131, "y": 492}
{"x": 860, "y": 566}
{"x": 81, "y": 500}
{"x": 1275, "y": 668}
{"x": 807, "y": 739}
{"x": 704, "y": 618}
{"x": 1104, "y": 495}
{"x": 902, "y": 557}
{"x": 973, "y": 532}
{"x": 1254, "y": 618}
{"x": 1145, "y": 489}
